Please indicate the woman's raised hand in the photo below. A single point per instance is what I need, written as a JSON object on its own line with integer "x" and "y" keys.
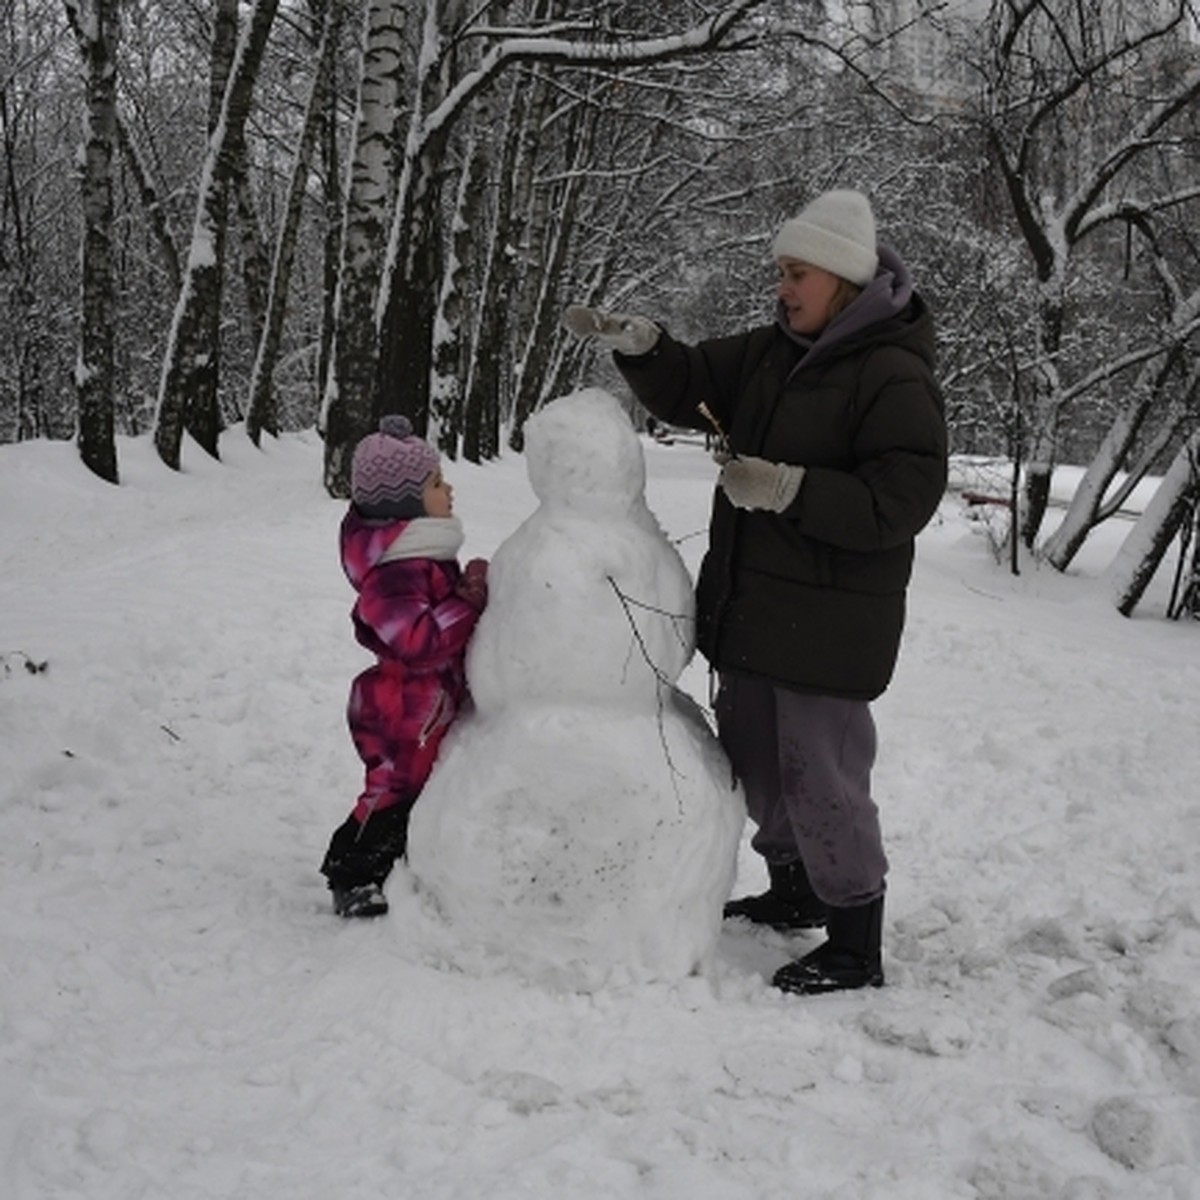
{"x": 623, "y": 332}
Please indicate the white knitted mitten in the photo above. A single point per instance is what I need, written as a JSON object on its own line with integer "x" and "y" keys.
{"x": 756, "y": 483}
{"x": 622, "y": 332}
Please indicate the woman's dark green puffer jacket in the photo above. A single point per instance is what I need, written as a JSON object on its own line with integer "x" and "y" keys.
{"x": 814, "y": 597}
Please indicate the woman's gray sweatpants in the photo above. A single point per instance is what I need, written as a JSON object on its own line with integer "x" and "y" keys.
{"x": 805, "y": 763}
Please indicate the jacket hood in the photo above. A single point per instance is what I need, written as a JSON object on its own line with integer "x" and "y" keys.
{"x": 364, "y": 543}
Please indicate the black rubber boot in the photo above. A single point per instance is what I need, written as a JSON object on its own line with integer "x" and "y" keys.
{"x": 788, "y": 904}
{"x": 851, "y": 958}
{"x": 360, "y": 858}
{"x": 364, "y": 900}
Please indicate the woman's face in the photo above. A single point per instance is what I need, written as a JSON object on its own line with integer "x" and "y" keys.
{"x": 807, "y": 293}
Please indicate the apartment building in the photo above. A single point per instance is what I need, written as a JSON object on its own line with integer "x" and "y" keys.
{"x": 932, "y": 48}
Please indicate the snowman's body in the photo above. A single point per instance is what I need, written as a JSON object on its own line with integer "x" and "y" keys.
{"x": 582, "y": 822}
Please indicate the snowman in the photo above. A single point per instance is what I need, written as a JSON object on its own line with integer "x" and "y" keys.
{"x": 582, "y": 823}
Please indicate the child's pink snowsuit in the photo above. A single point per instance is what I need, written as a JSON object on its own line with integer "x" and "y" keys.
{"x": 409, "y": 615}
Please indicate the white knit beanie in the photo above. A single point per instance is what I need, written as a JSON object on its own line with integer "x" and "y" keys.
{"x": 836, "y": 232}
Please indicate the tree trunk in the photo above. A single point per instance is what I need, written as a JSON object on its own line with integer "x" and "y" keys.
{"x": 332, "y": 221}
{"x": 97, "y": 28}
{"x": 1091, "y": 502}
{"x": 489, "y": 391}
{"x": 412, "y": 274}
{"x": 255, "y": 261}
{"x": 189, "y": 381}
{"x": 446, "y": 401}
{"x": 1143, "y": 550}
{"x": 533, "y": 367}
{"x": 405, "y": 316}
{"x": 152, "y": 206}
{"x": 25, "y": 331}
{"x": 201, "y": 408}
{"x": 350, "y": 408}
{"x": 1047, "y": 408}
{"x": 262, "y": 410}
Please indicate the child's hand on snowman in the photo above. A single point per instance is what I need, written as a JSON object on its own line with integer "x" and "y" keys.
{"x": 472, "y": 584}
{"x": 623, "y": 332}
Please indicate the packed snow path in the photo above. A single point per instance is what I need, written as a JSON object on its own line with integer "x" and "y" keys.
{"x": 181, "y": 1015}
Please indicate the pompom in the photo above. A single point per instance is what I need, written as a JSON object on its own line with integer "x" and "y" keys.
{"x": 396, "y": 425}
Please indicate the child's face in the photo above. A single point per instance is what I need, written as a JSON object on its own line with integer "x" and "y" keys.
{"x": 437, "y": 496}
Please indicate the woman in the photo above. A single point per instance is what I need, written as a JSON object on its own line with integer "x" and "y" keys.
{"x": 834, "y": 459}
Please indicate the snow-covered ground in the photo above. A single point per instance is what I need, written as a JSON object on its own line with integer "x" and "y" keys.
{"x": 181, "y": 1016}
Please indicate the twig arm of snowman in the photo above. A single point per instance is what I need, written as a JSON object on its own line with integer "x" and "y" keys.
{"x": 666, "y": 685}
{"x": 628, "y": 603}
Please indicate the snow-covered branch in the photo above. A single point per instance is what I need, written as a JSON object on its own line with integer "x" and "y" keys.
{"x": 1140, "y": 138}
{"x": 1133, "y": 358}
{"x": 1134, "y": 209}
{"x": 709, "y": 35}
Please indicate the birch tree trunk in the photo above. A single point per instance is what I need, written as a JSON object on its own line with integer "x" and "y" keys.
{"x": 449, "y": 358}
{"x": 201, "y": 411}
{"x": 152, "y": 205}
{"x": 350, "y": 405}
{"x": 1095, "y": 498}
{"x": 557, "y": 218}
{"x": 332, "y": 220}
{"x": 489, "y": 397}
{"x": 256, "y": 262}
{"x": 262, "y": 410}
{"x": 452, "y": 324}
{"x": 1044, "y": 420}
{"x": 1143, "y": 550}
{"x": 190, "y": 368}
{"x": 97, "y": 25}
{"x": 24, "y": 332}
{"x": 412, "y": 270}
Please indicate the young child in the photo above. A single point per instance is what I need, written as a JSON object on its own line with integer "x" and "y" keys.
{"x": 415, "y": 611}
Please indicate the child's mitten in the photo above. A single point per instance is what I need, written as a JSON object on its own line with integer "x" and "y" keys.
{"x": 472, "y": 583}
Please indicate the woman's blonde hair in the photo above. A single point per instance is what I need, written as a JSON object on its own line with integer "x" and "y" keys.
{"x": 843, "y": 297}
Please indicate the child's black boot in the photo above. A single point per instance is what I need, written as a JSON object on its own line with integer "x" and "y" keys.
{"x": 360, "y": 858}
{"x": 363, "y": 900}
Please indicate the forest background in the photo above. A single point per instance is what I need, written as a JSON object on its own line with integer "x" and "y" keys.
{"x": 298, "y": 213}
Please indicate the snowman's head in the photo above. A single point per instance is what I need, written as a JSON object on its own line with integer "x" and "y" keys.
{"x": 581, "y": 453}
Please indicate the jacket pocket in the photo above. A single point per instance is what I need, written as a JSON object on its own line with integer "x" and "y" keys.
{"x": 774, "y": 547}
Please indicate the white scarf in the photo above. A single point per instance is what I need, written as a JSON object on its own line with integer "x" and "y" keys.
{"x": 439, "y": 538}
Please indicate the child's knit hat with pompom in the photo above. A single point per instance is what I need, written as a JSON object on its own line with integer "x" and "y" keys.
{"x": 390, "y": 469}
